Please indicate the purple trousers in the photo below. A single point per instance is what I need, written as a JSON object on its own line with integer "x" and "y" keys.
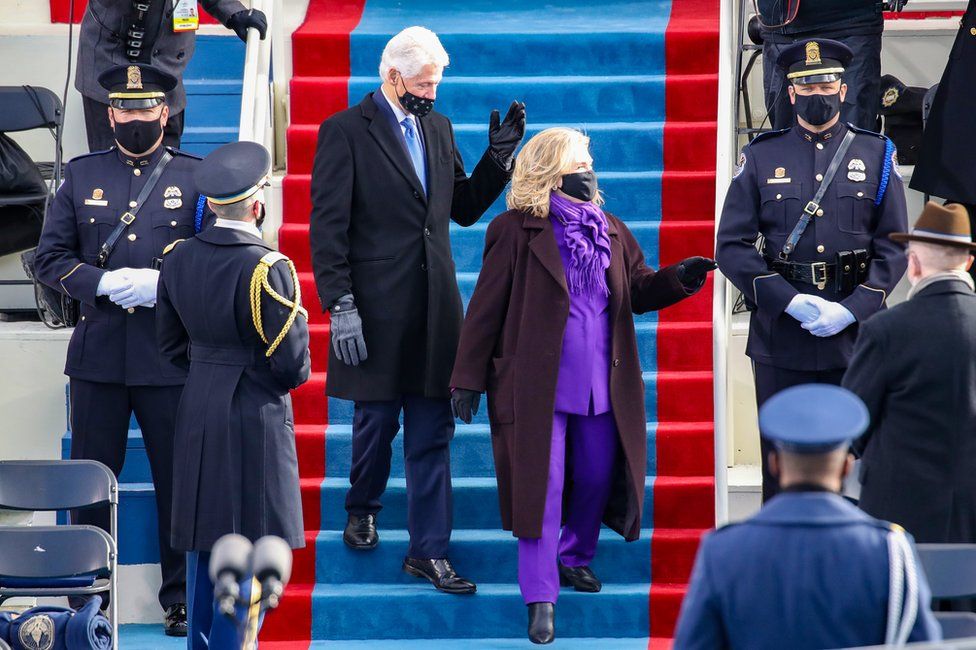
{"x": 593, "y": 440}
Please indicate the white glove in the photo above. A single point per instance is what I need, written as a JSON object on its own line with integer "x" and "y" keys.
{"x": 803, "y": 308}
{"x": 834, "y": 317}
{"x": 112, "y": 281}
{"x": 141, "y": 292}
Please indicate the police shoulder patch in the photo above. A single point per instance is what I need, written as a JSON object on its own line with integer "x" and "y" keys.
{"x": 170, "y": 246}
{"x": 740, "y": 165}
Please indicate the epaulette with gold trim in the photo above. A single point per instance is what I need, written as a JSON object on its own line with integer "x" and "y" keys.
{"x": 259, "y": 282}
{"x": 170, "y": 246}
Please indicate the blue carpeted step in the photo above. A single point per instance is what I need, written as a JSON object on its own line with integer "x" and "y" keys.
{"x": 482, "y": 555}
{"x": 201, "y": 140}
{"x": 615, "y": 146}
{"x": 365, "y": 611}
{"x": 510, "y": 37}
{"x": 147, "y": 637}
{"x": 340, "y": 411}
{"x": 475, "y": 503}
{"x": 471, "y": 453}
{"x": 468, "y": 243}
{"x": 213, "y": 102}
{"x": 558, "y": 99}
{"x": 138, "y": 529}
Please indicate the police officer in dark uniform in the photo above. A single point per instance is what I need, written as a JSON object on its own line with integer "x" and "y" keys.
{"x": 230, "y": 312}
{"x": 810, "y": 570}
{"x": 824, "y": 196}
{"x": 104, "y": 232}
{"x": 160, "y": 33}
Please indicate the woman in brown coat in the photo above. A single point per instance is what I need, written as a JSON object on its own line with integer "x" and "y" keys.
{"x": 549, "y": 334}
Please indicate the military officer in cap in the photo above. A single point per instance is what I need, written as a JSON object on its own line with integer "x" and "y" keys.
{"x": 102, "y": 238}
{"x": 810, "y": 570}
{"x": 823, "y": 196}
{"x": 230, "y": 313}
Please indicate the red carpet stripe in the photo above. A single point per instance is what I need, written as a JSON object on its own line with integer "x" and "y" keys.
{"x": 319, "y": 47}
{"x": 685, "y": 433}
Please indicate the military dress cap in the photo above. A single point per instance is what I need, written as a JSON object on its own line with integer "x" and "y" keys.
{"x": 816, "y": 60}
{"x": 233, "y": 172}
{"x": 136, "y": 86}
{"x": 813, "y": 418}
{"x": 945, "y": 225}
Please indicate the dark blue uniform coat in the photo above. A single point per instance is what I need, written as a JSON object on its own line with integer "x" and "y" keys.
{"x": 111, "y": 344}
{"x": 809, "y": 571}
{"x": 776, "y": 177}
{"x": 236, "y": 468}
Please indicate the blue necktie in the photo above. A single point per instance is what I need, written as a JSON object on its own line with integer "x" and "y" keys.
{"x": 416, "y": 151}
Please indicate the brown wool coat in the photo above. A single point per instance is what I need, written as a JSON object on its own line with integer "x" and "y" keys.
{"x": 510, "y": 346}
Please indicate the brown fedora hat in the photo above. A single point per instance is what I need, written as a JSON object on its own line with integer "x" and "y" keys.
{"x": 945, "y": 225}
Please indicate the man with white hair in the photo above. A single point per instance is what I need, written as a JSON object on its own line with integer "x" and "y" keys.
{"x": 915, "y": 367}
{"x": 387, "y": 180}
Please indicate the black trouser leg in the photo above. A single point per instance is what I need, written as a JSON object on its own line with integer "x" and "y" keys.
{"x": 374, "y": 426}
{"x": 428, "y": 428}
{"x": 771, "y": 380}
{"x": 863, "y": 79}
{"x": 155, "y": 408}
{"x": 99, "y": 430}
{"x": 774, "y": 88}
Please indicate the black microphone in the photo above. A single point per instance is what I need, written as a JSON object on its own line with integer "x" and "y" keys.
{"x": 230, "y": 562}
{"x": 272, "y": 568}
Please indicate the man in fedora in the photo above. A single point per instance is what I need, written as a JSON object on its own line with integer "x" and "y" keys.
{"x": 915, "y": 368}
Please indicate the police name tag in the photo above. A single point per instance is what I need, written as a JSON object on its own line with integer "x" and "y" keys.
{"x": 185, "y": 16}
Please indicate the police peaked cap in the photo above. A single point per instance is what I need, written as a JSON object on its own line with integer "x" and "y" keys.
{"x": 233, "y": 172}
{"x": 815, "y": 60}
{"x": 813, "y": 418}
{"x": 136, "y": 86}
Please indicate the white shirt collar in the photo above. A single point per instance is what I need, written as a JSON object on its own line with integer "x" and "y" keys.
{"x": 400, "y": 114}
{"x": 238, "y": 225}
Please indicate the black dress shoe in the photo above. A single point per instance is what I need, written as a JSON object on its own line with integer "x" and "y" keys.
{"x": 175, "y": 622}
{"x": 580, "y": 578}
{"x": 440, "y": 573}
{"x": 542, "y": 623}
{"x": 360, "y": 533}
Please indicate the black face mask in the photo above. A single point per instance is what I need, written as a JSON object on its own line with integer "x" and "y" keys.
{"x": 260, "y": 220}
{"x": 419, "y": 106}
{"x": 817, "y": 109}
{"x": 581, "y": 185}
{"x": 138, "y": 136}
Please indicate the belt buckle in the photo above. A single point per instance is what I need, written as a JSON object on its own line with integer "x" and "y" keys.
{"x": 819, "y": 274}
{"x": 811, "y": 208}
{"x": 128, "y": 218}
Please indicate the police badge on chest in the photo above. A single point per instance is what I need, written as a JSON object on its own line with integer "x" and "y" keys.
{"x": 855, "y": 170}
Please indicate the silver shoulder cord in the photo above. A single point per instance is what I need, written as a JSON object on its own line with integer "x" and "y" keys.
{"x": 903, "y": 589}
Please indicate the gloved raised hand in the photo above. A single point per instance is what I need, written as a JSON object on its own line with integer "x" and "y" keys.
{"x": 244, "y": 20}
{"x": 141, "y": 293}
{"x": 504, "y": 137}
{"x": 803, "y": 308}
{"x": 464, "y": 404}
{"x": 834, "y": 317}
{"x": 693, "y": 270}
{"x": 112, "y": 282}
{"x": 347, "y": 332}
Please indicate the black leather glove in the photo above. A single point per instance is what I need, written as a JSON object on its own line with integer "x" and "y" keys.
{"x": 464, "y": 404}
{"x": 244, "y": 20}
{"x": 692, "y": 271}
{"x": 347, "y": 332}
{"x": 504, "y": 138}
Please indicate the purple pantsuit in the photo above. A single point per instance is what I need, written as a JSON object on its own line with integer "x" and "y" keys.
{"x": 583, "y": 415}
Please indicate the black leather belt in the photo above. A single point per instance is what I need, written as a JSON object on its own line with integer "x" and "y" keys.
{"x": 816, "y": 273}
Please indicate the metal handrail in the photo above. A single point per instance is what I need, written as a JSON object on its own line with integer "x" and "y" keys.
{"x": 257, "y": 98}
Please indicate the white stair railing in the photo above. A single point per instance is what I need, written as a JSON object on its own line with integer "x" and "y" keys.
{"x": 257, "y": 113}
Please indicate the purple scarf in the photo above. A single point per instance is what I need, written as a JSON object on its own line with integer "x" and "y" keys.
{"x": 586, "y": 238}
